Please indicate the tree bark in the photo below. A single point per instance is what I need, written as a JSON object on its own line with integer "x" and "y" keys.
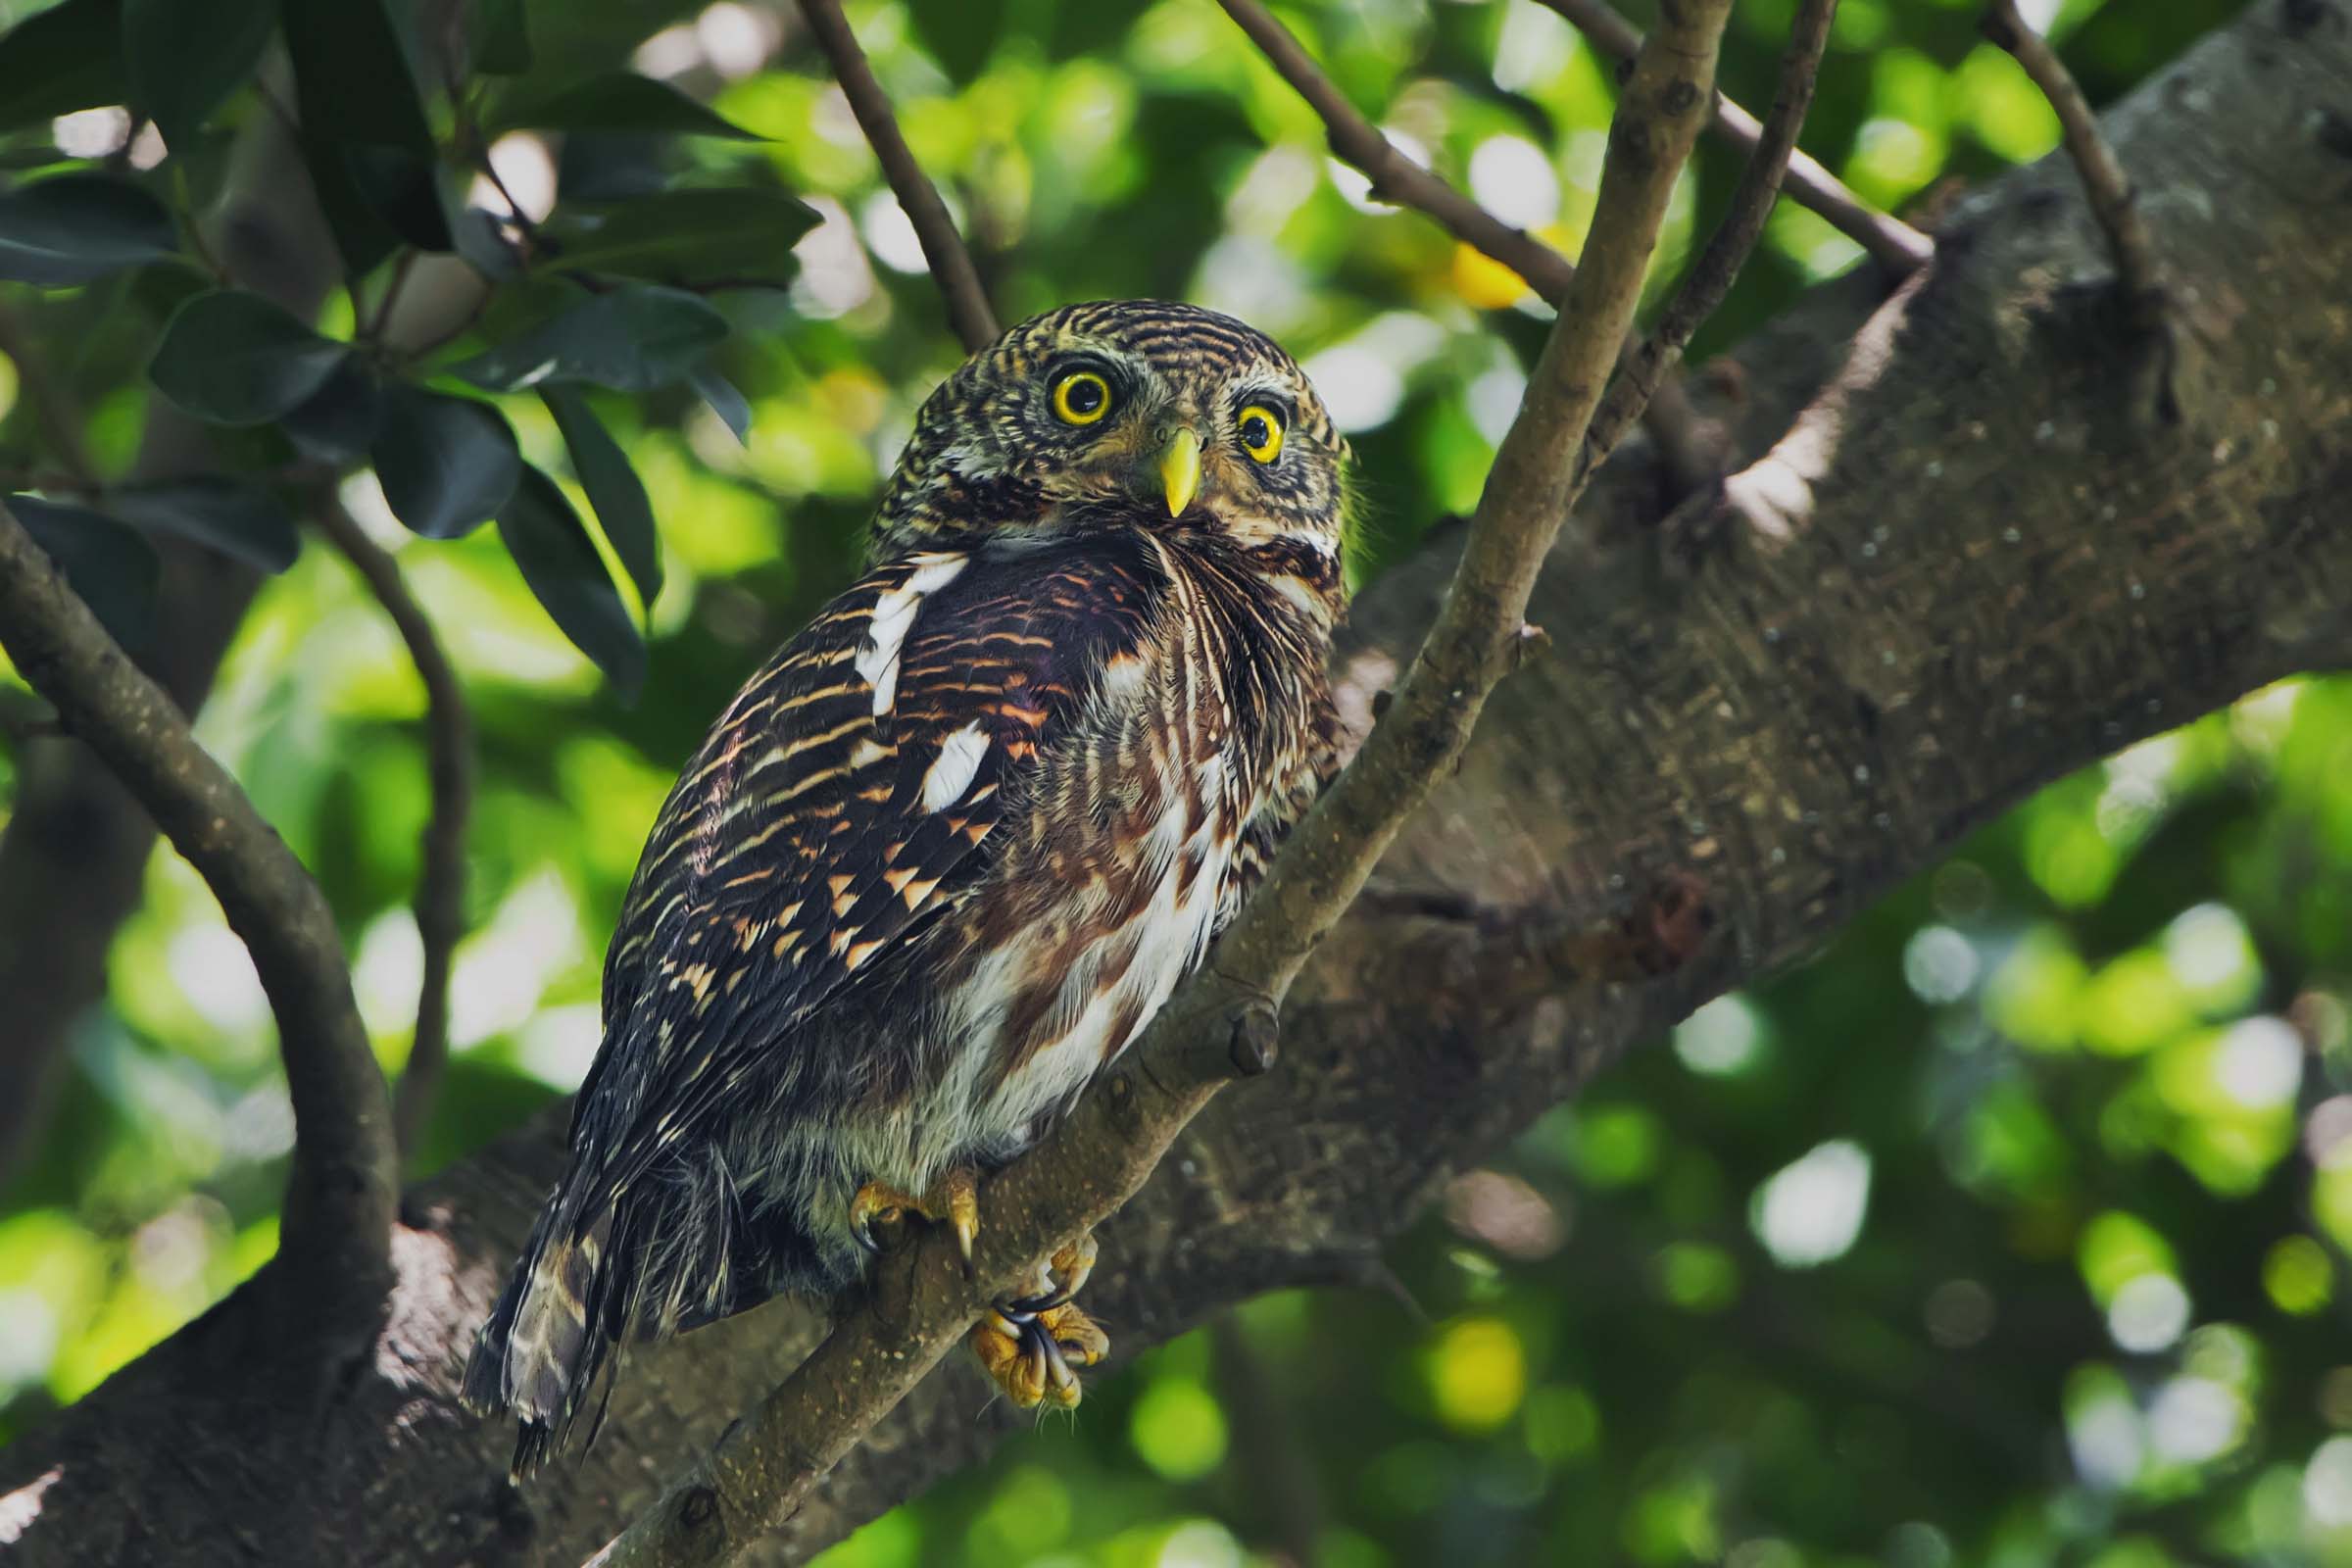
{"x": 1961, "y": 573}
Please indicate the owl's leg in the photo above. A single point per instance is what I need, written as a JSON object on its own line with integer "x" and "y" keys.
{"x": 955, "y": 1201}
{"x": 1029, "y": 1346}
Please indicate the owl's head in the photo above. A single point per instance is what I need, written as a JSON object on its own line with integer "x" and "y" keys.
{"x": 1135, "y": 410}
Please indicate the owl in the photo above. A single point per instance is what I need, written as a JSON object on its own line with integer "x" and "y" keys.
{"x": 945, "y": 854}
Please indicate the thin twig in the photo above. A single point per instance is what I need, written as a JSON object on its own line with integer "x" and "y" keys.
{"x": 1727, "y": 250}
{"x": 1395, "y": 178}
{"x": 2140, "y": 270}
{"x": 342, "y": 1194}
{"x": 441, "y": 851}
{"x": 373, "y": 331}
{"x": 1897, "y": 246}
{"x": 1219, "y": 1024}
{"x": 61, "y": 420}
{"x": 951, "y": 264}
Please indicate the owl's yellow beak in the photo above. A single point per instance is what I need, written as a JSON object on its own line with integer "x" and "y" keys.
{"x": 1180, "y": 470}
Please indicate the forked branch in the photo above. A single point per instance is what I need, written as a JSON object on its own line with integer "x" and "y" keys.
{"x": 1710, "y": 278}
{"x": 1895, "y": 244}
{"x": 344, "y": 1188}
{"x": 951, "y": 262}
{"x": 1220, "y": 1025}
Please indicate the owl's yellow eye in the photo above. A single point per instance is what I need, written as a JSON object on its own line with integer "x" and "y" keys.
{"x": 1081, "y": 397}
{"x": 1260, "y": 430}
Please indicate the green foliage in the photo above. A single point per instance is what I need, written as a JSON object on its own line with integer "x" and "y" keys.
{"x": 2009, "y": 1230}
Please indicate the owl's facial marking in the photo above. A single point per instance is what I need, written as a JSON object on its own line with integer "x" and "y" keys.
{"x": 1155, "y": 412}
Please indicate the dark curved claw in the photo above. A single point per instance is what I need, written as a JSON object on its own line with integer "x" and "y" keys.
{"x": 1028, "y": 1306}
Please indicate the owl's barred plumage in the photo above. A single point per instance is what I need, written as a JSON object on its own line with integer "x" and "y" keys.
{"x": 947, "y": 852}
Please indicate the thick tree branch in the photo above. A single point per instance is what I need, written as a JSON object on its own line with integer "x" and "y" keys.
{"x": 1222, "y": 1023}
{"x": 951, "y": 264}
{"x": 1895, "y": 244}
{"x": 344, "y": 1189}
{"x": 1955, "y": 580}
{"x": 441, "y": 849}
{"x": 1710, "y": 278}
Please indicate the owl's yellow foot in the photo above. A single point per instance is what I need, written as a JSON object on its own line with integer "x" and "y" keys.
{"x": 1032, "y": 1347}
{"x": 955, "y": 1201}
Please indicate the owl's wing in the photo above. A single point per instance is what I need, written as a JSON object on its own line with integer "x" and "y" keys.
{"x": 836, "y": 808}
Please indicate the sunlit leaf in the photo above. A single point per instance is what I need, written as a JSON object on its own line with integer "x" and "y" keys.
{"x": 235, "y": 517}
{"x": 184, "y": 59}
{"x": 107, "y": 563}
{"x": 560, "y": 561}
{"x": 67, "y": 57}
{"x": 612, "y": 486}
{"x": 633, "y": 339}
{"x": 234, "y": 358}
{"x": 75, "y": 227}
{"x": 686, "y": 237}
{"x": 619, "y": 101}
{"x": 447, "y": 464}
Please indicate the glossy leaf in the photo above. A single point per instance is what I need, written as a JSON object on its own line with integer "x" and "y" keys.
{"x": 182, "y": 60}
{"x": 632, "y": 339}
{"x": 552, "y": 548}
{"x": 727, "y": 399}
{"x": 447, "y": 464}
{"x": 687, "y": 236}
{"x": 107, "y": 562}
{"x": 236, "y": 519}
{"x": 75, "y": 227}
{"x": 612, "y": 486}
{"x": 337, "y": 422}
{"x": 619, "y": 101}
{"x": 234, "y": 358}
{"x": 366, "y": 140}
{"x": 67, "y": 57}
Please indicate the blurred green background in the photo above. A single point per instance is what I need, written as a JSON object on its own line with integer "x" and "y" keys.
{"x": 2010, "y": 1230}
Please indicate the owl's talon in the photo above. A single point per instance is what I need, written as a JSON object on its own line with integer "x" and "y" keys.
{"x": 955, "y": 1201}
{"x": 1033, "y": 1346}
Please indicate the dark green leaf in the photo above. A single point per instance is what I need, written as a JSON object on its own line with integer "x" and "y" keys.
{"x": 612, "y": 486}
{"x": 559, "y": 559}
{"x": 726, "y": 400}
{"x": 339, "y": 420}
{"x": 502, "y": 40}
{"x": 962, "y": 36}
{"x": 365, "y": 137}
{"x": 477, "y": 235}
{"x": 234, "y": 358}
{"x": 75, "y": 227}
{"x": 109, "y": 563}
{"x": 687, "y": 236}
{"x": 446, "y": 463}
{"x": 69, "y": 57}
{"x": 183, "y": 59}
{"x": 633, "y": 339}
{"x": 619, "y": 101}
{"x": 236, "y": 519}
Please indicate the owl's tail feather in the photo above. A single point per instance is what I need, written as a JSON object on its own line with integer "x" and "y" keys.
{"x": 546, "y": 1341}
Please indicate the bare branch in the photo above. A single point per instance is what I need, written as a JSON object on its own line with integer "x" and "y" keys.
{"x": 1220, "y": 1025}
{"x": 344, "y": 1188}
{"x": 1895, "y": 244}
{"x": 441, "y": 851}
{"x": 2140, "y": 272}
{"x": 1395, "y": 178}
{"x": 1727, "y": 250}
{"x": 951, "y": 264}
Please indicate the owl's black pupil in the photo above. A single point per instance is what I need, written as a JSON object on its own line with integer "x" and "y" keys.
{"x": 1255, "y": 432}
{"x": 1085, "y": 395}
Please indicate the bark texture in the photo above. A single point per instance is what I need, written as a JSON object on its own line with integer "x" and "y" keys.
{"x": 1960, "y": 572}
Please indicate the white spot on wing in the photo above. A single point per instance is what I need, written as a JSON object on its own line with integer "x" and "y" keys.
{"x": 893, "y": 619}
{"x": 952, "y": 774}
